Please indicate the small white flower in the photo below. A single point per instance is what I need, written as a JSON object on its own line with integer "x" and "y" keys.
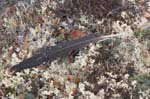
{"x": 69, "y": 20}
{"x": 33, "y": 31}
{"x": 84, "y": 19}
{"x": 5, "y": 20}
{"x": 123, "y": 14}
{"x": 27, "y": 71}
{"x": 43, "y": 8}
{"x": 124, "y": 85}
{"x": 132, "y": 1}
{"x": 8, "y": 83}
{"x": 46, "y": 75}
{"x": 133, "y": 83}
{"x": 69, "y": 86}
{"x": 101, "y": 93}
{"x": 12, "y": 96}
{"x": 81, "y": 87}
{"x": 29, "y": 88}
{"x": 81, "y": 27}
{"x": 53, "y": 4}
{"x": 126, "y": 76}
{"x": 45, "y": 92}
{"x": 92, "y": 96}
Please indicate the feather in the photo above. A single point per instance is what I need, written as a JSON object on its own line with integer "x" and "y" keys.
{"x": 59, "y": 51}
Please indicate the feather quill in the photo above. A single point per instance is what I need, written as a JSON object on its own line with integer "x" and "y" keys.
{"x": 59, "y": 51}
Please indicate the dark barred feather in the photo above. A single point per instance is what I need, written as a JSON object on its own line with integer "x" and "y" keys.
{"x": 59, "y": 51}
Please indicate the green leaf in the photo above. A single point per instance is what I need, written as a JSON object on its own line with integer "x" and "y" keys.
{"x": 29, "y": 96}
{"x": 61, "y": 37}
{"x": 143, "y": 81}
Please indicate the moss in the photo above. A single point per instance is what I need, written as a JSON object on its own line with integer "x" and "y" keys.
{"x": 142, "y": 33}
{"x": 143, "y": 81}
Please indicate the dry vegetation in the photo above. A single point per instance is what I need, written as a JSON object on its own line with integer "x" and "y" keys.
{"x": 118, "y": 68}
